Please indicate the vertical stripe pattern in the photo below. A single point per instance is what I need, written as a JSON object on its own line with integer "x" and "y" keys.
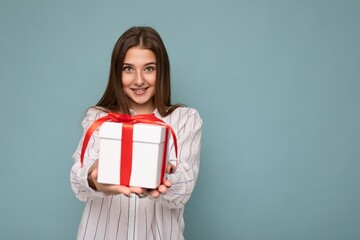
{"x": 121, "y": 217}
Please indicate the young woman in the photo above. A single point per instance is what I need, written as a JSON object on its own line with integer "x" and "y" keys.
{"x": 139, "y": 83}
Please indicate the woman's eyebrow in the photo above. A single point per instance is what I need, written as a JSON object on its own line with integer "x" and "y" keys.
{"x": 149, "y": 63}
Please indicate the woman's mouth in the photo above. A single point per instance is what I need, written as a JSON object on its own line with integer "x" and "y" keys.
{"x": 139, "y": 91}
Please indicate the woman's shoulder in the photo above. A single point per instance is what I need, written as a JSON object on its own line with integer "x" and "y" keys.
{"x": 96, "y": 111}
{"x": 185, "y": 113}
{"x": 185, "y": 110}
{"x": 92, "y": 114}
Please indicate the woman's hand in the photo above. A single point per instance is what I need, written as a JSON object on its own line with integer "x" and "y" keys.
{"x": 109, "y": 189}
{"x": 163, "y": 188}
{"x": 112, "y": 189}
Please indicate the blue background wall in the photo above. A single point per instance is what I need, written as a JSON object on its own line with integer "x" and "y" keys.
{"x": 276, "y": 82}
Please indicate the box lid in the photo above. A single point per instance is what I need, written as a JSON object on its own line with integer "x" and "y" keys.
{"x": 142, "y": 132}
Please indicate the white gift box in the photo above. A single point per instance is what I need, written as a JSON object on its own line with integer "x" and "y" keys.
{"x": 147, "y": 154}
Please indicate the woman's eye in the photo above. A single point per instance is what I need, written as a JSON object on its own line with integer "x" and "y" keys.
{"x": 127, "y": 68}
{"x": 150, "y": 68}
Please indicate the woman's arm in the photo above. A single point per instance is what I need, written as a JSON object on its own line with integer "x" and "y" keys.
{"x": 188, "y": 128}
{"x": 79, "y": 175}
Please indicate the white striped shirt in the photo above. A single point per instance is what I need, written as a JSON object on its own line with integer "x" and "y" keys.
{"x": 121, "y": 217}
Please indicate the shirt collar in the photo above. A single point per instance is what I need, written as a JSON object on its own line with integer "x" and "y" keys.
{"x": 133, "y": 113}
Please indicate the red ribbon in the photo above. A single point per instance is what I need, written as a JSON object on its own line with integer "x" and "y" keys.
{"x": 127, "y": 139}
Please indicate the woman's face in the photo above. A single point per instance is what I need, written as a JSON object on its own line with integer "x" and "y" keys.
{"x": 139, "y": 78}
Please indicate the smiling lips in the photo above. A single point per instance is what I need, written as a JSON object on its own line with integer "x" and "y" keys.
{"x": 139, "y": 91}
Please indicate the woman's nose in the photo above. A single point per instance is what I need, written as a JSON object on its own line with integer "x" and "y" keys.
{"x": 139, "y": 80}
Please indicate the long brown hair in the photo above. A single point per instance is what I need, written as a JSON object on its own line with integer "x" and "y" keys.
{"x": 114, "y": 97}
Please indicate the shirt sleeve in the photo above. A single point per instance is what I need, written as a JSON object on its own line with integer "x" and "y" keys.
{"x": 188, "y": 129}
{"x": 79, "y": 174}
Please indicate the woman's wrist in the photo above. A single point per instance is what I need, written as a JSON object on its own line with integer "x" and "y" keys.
{"x": 91, "y": 182}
